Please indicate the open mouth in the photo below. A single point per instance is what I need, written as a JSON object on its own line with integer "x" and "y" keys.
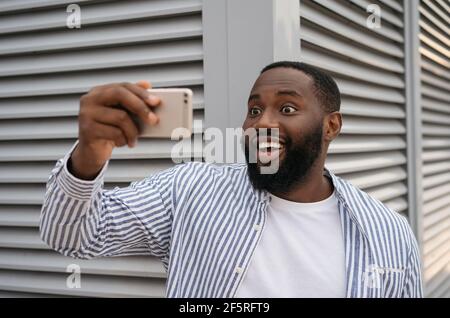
{"x": 269, "y": 150}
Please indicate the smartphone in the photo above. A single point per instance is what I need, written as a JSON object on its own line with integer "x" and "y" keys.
{"x": 175, "y": 111}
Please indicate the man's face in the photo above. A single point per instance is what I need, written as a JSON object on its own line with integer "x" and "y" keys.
{"x": 283, "y": 98}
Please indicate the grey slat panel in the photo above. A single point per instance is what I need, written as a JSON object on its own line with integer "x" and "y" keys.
{"x": 98, "y": 13}
{"x": 25, "y": 216}
{"x": 26, "y": 5}
{"x": 50, "y": 261}
{"x": 435, "y": 91}
{"x": 44, "y": 68}
{"x": 185, "y": 74}
{"x": 101, "y": 35}
{"x": 118, "y": 171}
{"x": 103, "y": 58}
{"x": 42, "y": 150}
{"x": 47, "y": 128}
{"x": 61, "y": 105}
{"x": 91, "y": 285}
{"x": 368, "y": 66}
{"x": 12, "y": 294}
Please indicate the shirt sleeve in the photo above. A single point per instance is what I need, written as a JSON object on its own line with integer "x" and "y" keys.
{"x": 80, "y": 219}
{"x": 413, "y": 284}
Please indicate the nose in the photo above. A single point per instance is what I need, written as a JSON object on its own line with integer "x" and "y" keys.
{"x": 267, "y": 120}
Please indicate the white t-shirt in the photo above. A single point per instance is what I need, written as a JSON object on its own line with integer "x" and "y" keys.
{"x": 300, "y": 254}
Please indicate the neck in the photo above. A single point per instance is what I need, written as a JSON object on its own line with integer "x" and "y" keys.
{"x": 314, "y": 187}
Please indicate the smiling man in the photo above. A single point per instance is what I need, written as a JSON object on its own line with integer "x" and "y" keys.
{"x": 231, "y": 230}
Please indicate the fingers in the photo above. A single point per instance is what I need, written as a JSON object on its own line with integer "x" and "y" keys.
{"x": 102, "y": 131}
{"x": 151, "y": 100}
{"x": 118, "y": 94}
{"x": 144, "y": 84}
{"x": 118, "y": 118}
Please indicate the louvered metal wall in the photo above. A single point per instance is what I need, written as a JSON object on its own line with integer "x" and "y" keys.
{"x": 368, "y": 65}
{"x": 44, "y": 68}
{"x": 435, "y": 90}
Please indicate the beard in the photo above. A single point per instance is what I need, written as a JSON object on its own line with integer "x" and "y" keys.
{"x": 298, "y": 160}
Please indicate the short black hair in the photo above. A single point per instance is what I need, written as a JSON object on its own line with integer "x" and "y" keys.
{"x": 326, "y": 89}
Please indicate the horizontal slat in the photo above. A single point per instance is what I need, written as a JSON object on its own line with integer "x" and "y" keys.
{"x": 346, "y": 67}
{"x": 434, "y": 21}
{"x": 435, "y": 93}
{"x": 21, "y": 238}
{"x": 427, "y": 53}
{"x": 436, "y": 247}
{"x": 369, "y": 91}
{"x": 26, "y": 216}
{"x": 443, "y": 16}
{"x": 434, "y": 180}
{"x": 389, "y": 191}
{"x": 369, "y": 108}
{"x": 393, "y": 5}
{"x": 434, "y": 168}
{"x": 431, "y": 156}
{"x": 118, "y": 170}
{"x": 325, "y": 38}
{"x": 359, "y": 17}
{"x": 436, "y": 105}
{"x": 434, "y": 193}
{"x": 320, "y": 16}
{"x": 50, "y": 261}
{"x": 355, "y": 143}
{"x": 53, "y": 128}
{"x": 432, "y": 231}
{"x": 434, "y": 217}
{"x": 439, "y": 285}
{"x": 96, "y": 13}
{"x": 432, "y": 143}
{"x": 436, "y": 130}
{"x": 436, "y": 267}
{"x": 102, "y": 58}
{"x": 399, "y": 205}
{"x": 376, "y": 178}
{"x": 62, "y": 105}
{"x": 436, "y": 70}
{"x": 347, "y": 163}
{"x": 18, "y": 5}
{"x": 393, "y": 19}
{"x": 360, "y": 125}
{"x": 435, "y": 117}
{"x": 184, "y": 74}
{"x": 101, "y": 35}
{"x": 438, "y": 203}
{"x": 91, "y": 285}
{"x": 437, "y": 83}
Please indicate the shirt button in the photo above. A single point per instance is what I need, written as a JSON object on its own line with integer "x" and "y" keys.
{"x": 239, "y": 270}
{"x": 257, "y": 227}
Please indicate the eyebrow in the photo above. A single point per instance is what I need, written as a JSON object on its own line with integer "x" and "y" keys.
{"x": 289, "y": 93}
{"x": 279, "y": 93}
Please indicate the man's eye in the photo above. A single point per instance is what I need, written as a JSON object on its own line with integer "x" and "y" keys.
{"x": 254, "y": 111}
{"x": 288, "y": 109}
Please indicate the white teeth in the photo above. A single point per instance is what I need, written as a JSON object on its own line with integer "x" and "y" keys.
{"x": 265, "y": 145}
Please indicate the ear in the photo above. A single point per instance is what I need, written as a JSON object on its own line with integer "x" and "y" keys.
{"x": 332, "y": 126}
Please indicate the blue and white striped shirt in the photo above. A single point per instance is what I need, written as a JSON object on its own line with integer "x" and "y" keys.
{"x": 200, "y": 218}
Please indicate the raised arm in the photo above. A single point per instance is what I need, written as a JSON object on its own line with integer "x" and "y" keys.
{"x": 81, "y": 219}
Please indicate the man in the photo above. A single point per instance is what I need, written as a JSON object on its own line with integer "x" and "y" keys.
{"x": 229, "y": 230}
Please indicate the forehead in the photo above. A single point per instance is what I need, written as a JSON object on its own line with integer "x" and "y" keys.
{"x": 284, "y": 78}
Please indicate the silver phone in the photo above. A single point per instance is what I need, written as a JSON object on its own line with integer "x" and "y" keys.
{"x": 175, "y": 111}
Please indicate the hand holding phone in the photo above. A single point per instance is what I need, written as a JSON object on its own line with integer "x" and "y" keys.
{"x": 174, "y": 111}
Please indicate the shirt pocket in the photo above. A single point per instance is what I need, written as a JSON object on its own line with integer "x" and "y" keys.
{"x": 392, "y": 281}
